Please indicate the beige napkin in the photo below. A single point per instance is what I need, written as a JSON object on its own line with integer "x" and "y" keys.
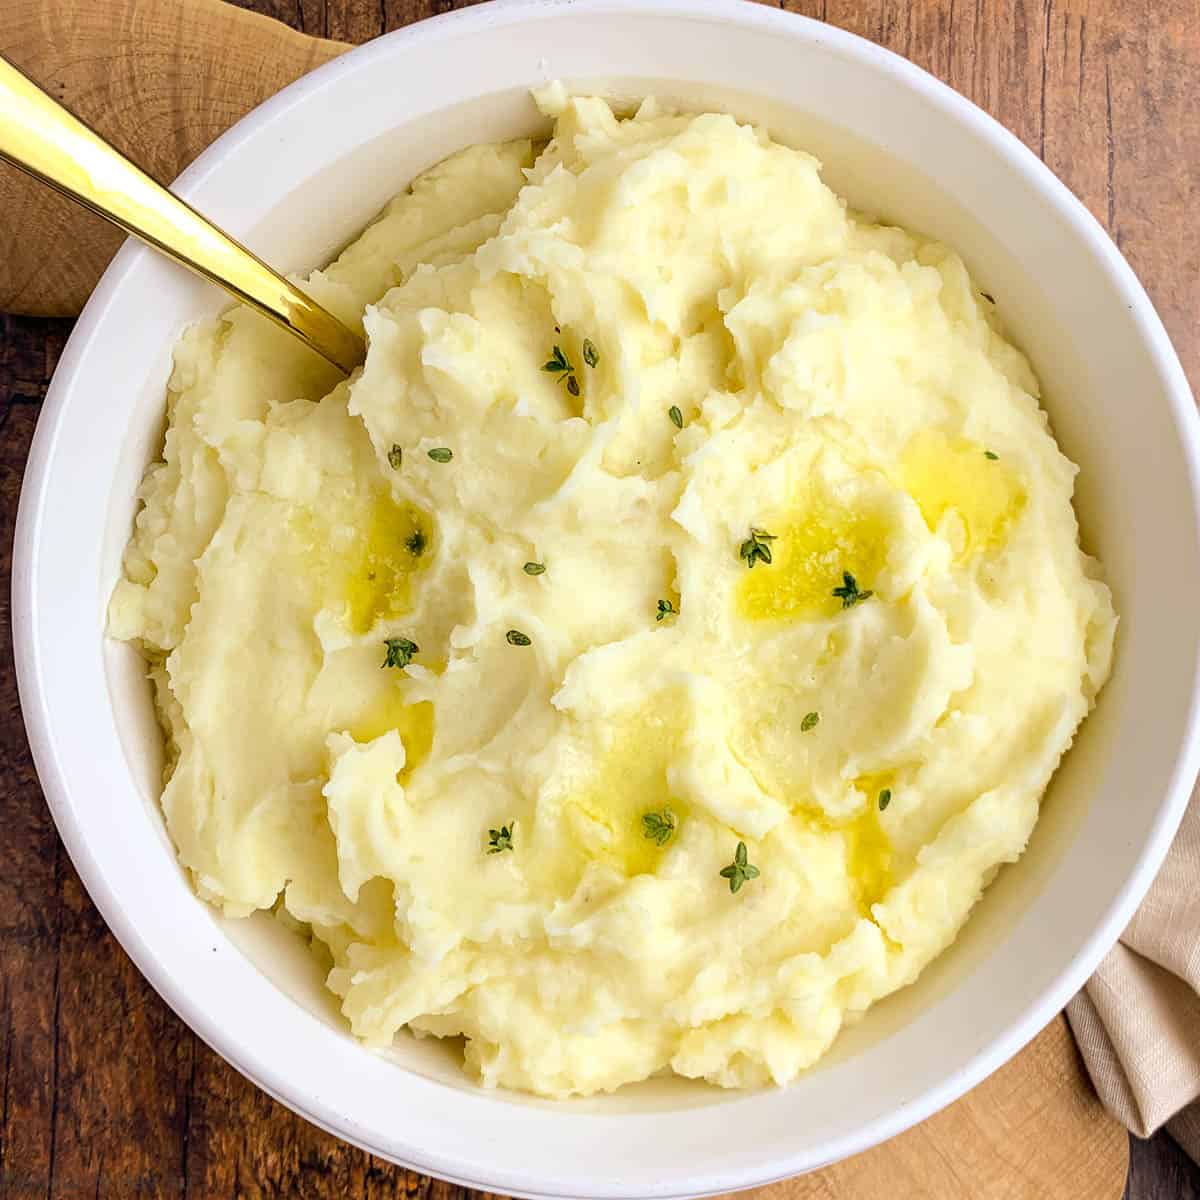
{"x": 1137, "y": 1020}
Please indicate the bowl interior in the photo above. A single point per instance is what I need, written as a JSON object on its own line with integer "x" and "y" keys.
{"x": 299, "y": 180}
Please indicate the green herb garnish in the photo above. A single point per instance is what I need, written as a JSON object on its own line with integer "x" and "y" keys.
{"x": 591, "y": 355}
{"x": 558, "y": 364}
{"x": 665, "y": 609}
{"x": 441, "y": 454}
{"x": 676, "y": 416}
{"x": 658, "y": 827}
{"x": 885, "y": 798}
{"x": 400, "y": 652}
{"x": 515, "y": 637}
{"x": 740, "y": 869}
{"x": 533, "y": 568}
{"x": 755, "y": 548}
{"x": 990, "y": 454}
{"x": 395, "y": 457}
{"x": 416, "y": 542}
{"x": 501, "y": 839}
{"x": 848, "y": 593}
{"x": 811, "y": 720}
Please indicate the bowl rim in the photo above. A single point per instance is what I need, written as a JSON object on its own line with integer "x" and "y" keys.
{"x": 36, "y": 712}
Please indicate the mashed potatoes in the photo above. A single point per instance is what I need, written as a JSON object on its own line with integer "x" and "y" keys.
{"x": 647, "y": 660}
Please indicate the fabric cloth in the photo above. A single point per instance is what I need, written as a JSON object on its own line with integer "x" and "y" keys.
{"x": 1137, "y": 1020}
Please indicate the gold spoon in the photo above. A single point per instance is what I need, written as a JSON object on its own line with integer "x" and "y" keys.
{"x": 38, "y": 135}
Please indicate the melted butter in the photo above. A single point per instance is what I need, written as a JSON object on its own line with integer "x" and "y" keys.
{"x": 363, "y": 557}
{"x": 869, "y": 857}
{"x": 414, "y": 723}
{"x": 944, "y": 474}
{"x": 603, "y": 821}
{"x": 376, "y": 571}
{"x": 814, "y": 544}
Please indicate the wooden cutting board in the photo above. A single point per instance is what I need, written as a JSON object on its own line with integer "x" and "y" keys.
{"x": 162, "y": 79}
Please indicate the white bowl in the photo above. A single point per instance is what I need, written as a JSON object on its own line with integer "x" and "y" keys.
{"x": 295, "y": 180}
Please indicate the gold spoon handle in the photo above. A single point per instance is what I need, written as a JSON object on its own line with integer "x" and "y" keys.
{"x": 38, "y": 135}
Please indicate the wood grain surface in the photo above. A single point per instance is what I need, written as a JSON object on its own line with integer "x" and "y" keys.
{"x": 105, "y": 1093}
{"x": 159, "y": 79}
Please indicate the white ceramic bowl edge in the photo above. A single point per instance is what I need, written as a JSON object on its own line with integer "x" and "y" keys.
{"x": 340, "y": 142}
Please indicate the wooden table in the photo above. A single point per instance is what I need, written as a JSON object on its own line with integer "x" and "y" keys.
{"x": 105, "y": 1093}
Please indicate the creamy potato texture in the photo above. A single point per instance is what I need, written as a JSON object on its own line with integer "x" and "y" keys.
{"x": 691, "y": 509}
